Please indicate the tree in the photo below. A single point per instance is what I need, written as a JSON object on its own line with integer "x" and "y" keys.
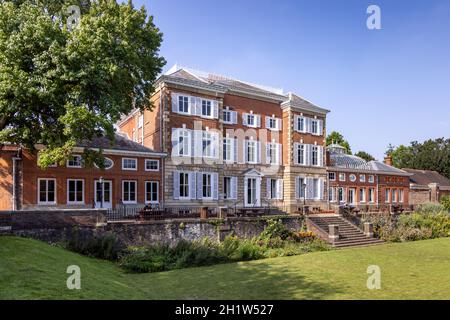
{"x": 429, "y": 155}
{"x": 58, "y": 87}
{"x": 336, "y": 137}
{"x": 366, "y": 156}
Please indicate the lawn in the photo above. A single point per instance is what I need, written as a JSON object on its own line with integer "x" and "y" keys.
{"x": 31, "y": 269}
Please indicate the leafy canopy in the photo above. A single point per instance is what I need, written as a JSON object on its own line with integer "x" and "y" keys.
{"x": 429, "y": 155}
{"x": 60, "y": 86}
{"x": 336, "y": 137}
{"x": 364, "y": 155}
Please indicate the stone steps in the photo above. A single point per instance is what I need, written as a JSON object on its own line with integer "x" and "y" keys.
{"x": 349, "y": 234}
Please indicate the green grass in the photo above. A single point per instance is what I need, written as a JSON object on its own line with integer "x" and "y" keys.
{"x": 31, "y": 269}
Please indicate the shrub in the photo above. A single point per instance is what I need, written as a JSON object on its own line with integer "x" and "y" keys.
{"x": 162, "y": 257}
{"x": 430, "y": 221}
{"x": 275, "y": 229}
{"x": 445, "y": 202}
{"x": 104, "y": 246}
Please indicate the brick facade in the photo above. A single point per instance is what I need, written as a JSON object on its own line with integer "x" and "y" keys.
{"x": 31, "y": 180}
{"x": 243, "y": 100}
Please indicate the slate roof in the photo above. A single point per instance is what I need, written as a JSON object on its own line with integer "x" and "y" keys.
{"x": 346, "y": 161}
{"x": 120, "y": 143}
{"x": 381, "y": 166}
{"x": 425, "y": 177}
{"x": 223, "y": 83}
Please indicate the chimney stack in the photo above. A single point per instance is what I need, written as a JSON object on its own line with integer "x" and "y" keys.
{"x": 388, "y": 160}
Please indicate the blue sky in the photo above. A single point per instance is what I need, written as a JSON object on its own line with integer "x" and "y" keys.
{"x": 382, "y": 86}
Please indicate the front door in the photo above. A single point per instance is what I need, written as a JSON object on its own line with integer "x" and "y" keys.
{"x": 103, "y": 198}
{"x": 252, "y": 192}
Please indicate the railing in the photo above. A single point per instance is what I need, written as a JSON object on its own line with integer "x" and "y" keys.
{"x": 142, "y": 212}
{"x": 146, "y": 213}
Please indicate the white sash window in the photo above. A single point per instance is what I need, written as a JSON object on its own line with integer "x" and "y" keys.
{"x": 274, "y": 188}
{"x": 230, "y": 187}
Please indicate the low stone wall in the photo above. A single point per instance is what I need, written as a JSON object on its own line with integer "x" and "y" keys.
{"x": 62, "y": 225}
{"x": 194, "y": 229}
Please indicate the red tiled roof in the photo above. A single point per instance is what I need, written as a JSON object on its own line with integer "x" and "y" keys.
{"x": 425, "y": 177}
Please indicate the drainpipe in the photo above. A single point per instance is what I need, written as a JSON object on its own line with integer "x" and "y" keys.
{"x": 14, "y": 180}
{"x": 163, "y": 159}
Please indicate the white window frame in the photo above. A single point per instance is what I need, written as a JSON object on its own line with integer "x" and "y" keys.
{"x": 332, "y": 194}
{"x": 340, "y": 192}
{"x": 352, "y": 177}
{"x": 276, "y": 121}
{"x": 317, "y": 133}
{"x": 228, "y": 113}
{"x": 371, "y": 195}
{"x": 371, "y": 178}
{"x": 129, "y": 169}
{"x": 394, "y": 195}
{"x": 253, "y": 117}
{"x": 301, "y": 146}
{"x": 211, "y": 108}
{"x": 317, "y": 152}
{"x": 151, "y": 160}
{"x": 183, "y": 102}
{"x": 185, "y": 197}
{"x": 363, "y": 200}
{"x": 401, "y": 195}
{"x": 140, "y": 121}
{"x": 230, "y": 191}
{"x": 362, "y": 178}
{"x": 275, "y": 147}
{"x": 316, "y": 188}
{"x": 76, "y": 191}
{"x": 211, "y": 186}
{"x": 255, "y": 149}
{"x": 135, "y": 193}
{"x": 208, "y": 152}
{"x": 387, "y": 195}
{"x": 110, "y": 167}
{"x": 342, "y": 175}
{"x": 227, "y": 151}
{"x": 231, "y": 114}
{"x": 146, "y": 191}
{"x": 68, "y": 165}
{"x": 297, "y": 121}
{"x": 329, "y": 176}
{"x": 46, "y": 194}
{"x": 185, "y": 135}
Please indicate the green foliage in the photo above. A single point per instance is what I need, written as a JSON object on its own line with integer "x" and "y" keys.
{"x": 429, "y": 155}
{"x": 430, "y": 221}
{"x": 364, "y": 155}
{"x": 274, "y": 241}
{"x": 336, "y": 137}
{"x": 445, "y": 202}
{"x": 275, "y": 229}
{"x": 59, "y": 87}
{"x": 162, "y": 257}
{"x": 103, "y": 247}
